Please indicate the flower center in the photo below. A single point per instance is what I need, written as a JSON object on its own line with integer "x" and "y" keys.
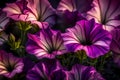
{"x": 9, "y": 68}
{"x": 86, "y": 42}
{"x": 51, "y": 50}
{"x": 104, "y": 22}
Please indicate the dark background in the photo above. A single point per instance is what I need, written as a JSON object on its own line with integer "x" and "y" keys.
{"x": 54, "y": 3}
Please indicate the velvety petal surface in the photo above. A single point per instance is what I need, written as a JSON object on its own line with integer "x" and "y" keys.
{"x": 105, "y": 12}
{"x": 80, "y": 72}
{"x": 43, "y": 70}
{"x": 46, "y": 43}
{"x": 75, "y": 5}
{"x": 9, "y": 64}
{"x": 88, "y": 36}
{"x": 41, "y": 11}
{"x": 16, "y": 10}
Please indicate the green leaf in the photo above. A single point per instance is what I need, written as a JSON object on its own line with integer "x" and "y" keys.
{"x": 24, "y": 26}
{"x": 11, "y": 38}
{"x": 17, "y": 44}
{"x": 28, "y": 27}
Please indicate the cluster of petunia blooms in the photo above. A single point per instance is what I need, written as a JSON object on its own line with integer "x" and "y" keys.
{"x": 34, "y": 37}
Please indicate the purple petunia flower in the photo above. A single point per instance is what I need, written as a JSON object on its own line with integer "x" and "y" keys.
{"x": 106, "y": 12}
{"x": 16, "y": 10}
{"x": 88, "y": 36}
{"x": 45, "y": 44}
{"x": 10, "y": 65}
{"x": 40, "y": 11}
{"x": 43, "y": 70}
{"x": 80, "y": 72}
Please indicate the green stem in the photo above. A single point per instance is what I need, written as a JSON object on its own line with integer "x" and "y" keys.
{"x": 95, "y": 62}
{"x": 80, "y": 56}
{"x": 23, "y": 35}
{"x": 102, "y": 62}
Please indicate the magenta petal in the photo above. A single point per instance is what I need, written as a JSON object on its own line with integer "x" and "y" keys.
{"x": 105, "y": 12}
{"x": 41, "y": 25}
{"x": 16, "y": 10}
{"x": 88, "y": 36}
{"x": 45, "y": 44}
{"x": 40, "y": 10}
{"x": 43, "y": 70}
{"x": 10, "y": 65}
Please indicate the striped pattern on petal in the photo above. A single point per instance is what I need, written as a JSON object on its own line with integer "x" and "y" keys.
{"x": 40, "y": 10}
{"x": 10, "y": 65}
{"x": 46, "y": 43}
{"x": 106, "y": 13}
{"x": 16, "y": 10}
{"x": 89, "y": 36}
{"x": 43, "y": 70}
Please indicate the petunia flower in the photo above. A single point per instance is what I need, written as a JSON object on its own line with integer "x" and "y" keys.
{"x": 9, "y": 64}
{"x": 43, "y": 70}
{"x": 88, "y": 36}
{"x": 45, "y": 44}
{"x": 80, "y": 72}
{"x": 40, "y": 11}
{"x": 3, "y": 20}
{"x": 75, "y": 5}
{"x": 106, "y": 12}
{"x": 16, "y": 10}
